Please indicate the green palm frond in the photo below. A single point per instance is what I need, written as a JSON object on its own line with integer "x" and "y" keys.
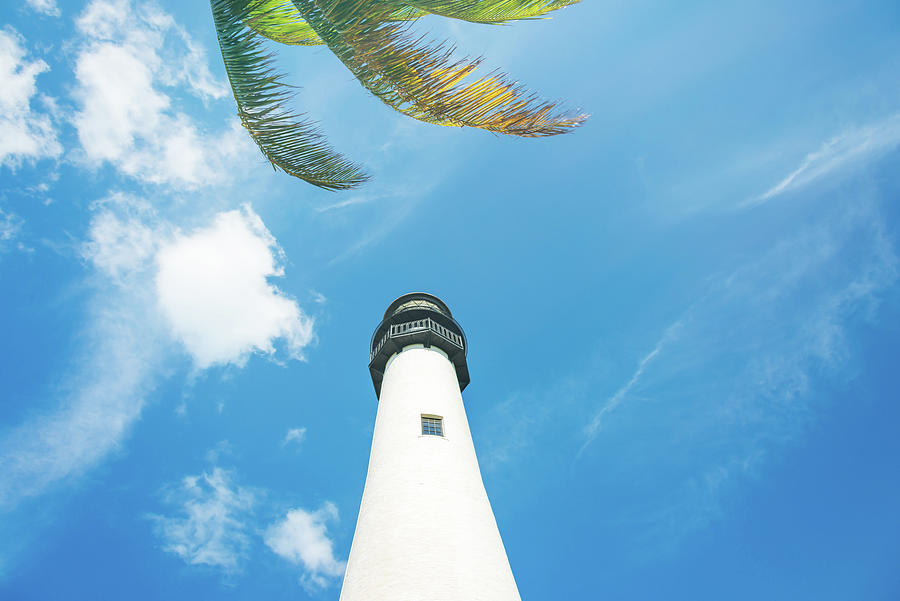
{"x": 296, "y": 147}
{"x": 490, "y": 11}
{"x": 372, "y": 39}
{"x": 279, "y": 21}
{"x": 423, "y": 81}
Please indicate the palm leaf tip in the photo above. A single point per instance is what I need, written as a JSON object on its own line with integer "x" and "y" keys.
{"x": 495, "y": 104}
{"x": 289, "y": 143}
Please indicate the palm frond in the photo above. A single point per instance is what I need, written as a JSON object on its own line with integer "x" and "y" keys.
{"x": 279, "y": 21}
{"x": 295, "y": 146}
{"x": 490, "y": 11}
{"x": 423, "y": 80}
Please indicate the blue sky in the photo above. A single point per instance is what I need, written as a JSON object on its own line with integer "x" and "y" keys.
{"x": 683, "y": 318}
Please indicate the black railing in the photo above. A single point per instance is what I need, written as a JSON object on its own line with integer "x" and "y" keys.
{"x": 399, "y": 330}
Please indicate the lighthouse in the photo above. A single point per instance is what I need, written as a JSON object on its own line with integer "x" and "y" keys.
{"x": 426, "y": 530}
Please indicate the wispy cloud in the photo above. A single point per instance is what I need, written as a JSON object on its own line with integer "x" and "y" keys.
{"x": 107, "y": 386}
{"x": 741, "y": 371}
{"x": 294, "y": 435}
{"x": 46, "y": 7}
{"x": 848, "y": 148}
{"x": 616, "y": 399}
{"x": 403, "y": 200}
{"x": 10, "y": 226}
{"x": 353, "y": 200}
{"x": 302, "y": 539}
{"x": 25, "y": 133}
{"x": 213, "y": 524}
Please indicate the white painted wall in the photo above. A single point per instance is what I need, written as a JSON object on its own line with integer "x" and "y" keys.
{"x": 426, "y": 531}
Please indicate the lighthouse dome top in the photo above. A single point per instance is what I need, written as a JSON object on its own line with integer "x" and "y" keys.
{"x": 417, "y": 318}
{"x": 417, "y": 301}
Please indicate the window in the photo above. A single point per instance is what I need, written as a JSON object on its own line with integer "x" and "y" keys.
{"x": 432, "y": 425}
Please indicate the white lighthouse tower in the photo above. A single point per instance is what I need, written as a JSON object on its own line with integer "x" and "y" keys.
{"x": 426, "y": 531}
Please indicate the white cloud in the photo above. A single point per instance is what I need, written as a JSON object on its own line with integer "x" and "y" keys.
{"x": 213, "y": 526}
{"x": 24, "y": 133}
{"x": 294, "y": 435}
{"x": 47, "y": 7}
{"x": 215, "y": 277}
{"x": 172, "y": 56}
{"x": 302, "y": 539}
{"x": 213, "y": 290}
{"x": 848, "y": 148}
{"x": 131, "y": 56}
{"x": 213, "y": 523}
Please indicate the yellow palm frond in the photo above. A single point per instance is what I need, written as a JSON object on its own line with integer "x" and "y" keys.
{"x": 372, "y": 38}
{"x": 423, "y": 80}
